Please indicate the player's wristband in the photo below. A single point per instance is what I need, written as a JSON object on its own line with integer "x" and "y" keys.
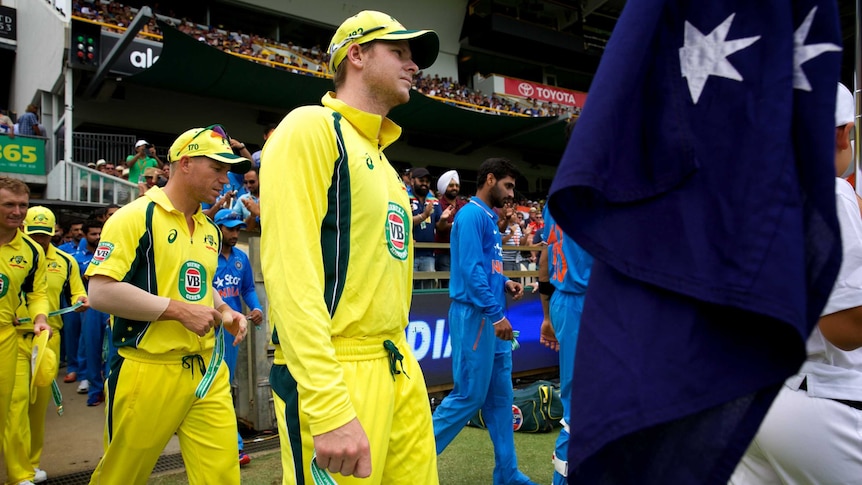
{"x": 546, "y": 288}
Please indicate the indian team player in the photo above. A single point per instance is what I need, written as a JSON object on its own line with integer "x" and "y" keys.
{"x": 25, "y": 431}
{"x": 22, "y": 273}
{"x": 153, "y": 272}
{"x": 480, "y": 331}
{"x": 339, "y": 279}
{"x": 564, "y": 271}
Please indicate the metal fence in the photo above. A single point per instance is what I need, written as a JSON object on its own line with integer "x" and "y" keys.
{"x": 90, "y": 147}
{"x": 75, "y": 182}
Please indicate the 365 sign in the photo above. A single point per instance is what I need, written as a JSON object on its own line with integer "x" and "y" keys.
{"x": 22, "y": 155}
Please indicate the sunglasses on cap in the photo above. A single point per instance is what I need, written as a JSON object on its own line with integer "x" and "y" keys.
{"x": 217, "y": 129}
{"x": 352, "y": 37}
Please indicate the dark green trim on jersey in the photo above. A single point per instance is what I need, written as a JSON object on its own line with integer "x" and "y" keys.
{"x": 67, "y": 285}
{"x": 27, "y": 286}
{"x": 335, "y": 230}
{"x": 116, "y": 366}
{"x": 284, "y": 386}
{"x": 142, "y": 274}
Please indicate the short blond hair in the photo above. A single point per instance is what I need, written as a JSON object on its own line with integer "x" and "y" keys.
{"x": 14, "y": 185}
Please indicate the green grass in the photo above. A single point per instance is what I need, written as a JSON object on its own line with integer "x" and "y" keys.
{"x": 469, "y": 460}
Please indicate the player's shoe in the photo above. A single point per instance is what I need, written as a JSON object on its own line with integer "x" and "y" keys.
{"x": 41, "y": 476}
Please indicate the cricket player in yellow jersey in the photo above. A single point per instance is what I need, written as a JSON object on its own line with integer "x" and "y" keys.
{"x": 25, "y": 431}
{"x": 363, "y": 406}
{"x": 22, "y": 272}
{"x": 153, "y": 271}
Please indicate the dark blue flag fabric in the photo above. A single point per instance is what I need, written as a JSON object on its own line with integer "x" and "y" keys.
{"x": 700, "y": 176}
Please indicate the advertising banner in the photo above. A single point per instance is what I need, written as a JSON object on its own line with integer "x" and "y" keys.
{"x": 542, "y": 92}
{"x": 8, "y": 24}
{"x": 22, "y": 155}
{"x": 428, "y": 336}
{"x": 139, "y": 55}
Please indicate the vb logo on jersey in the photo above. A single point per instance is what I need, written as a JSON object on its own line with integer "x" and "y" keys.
{"x": 4, "y": 285}
{"x": 192, "y": 281}
{"x": 396, "y": 231}
{"x": 102, "y": 253}
{"x": 172, "y": 236}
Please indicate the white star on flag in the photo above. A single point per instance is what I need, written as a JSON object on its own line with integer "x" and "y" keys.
{"x": 702, "y": 56}
{"x": 803, "y": 53}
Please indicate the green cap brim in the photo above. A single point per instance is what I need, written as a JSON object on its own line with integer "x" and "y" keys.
{"x": 237, "y": 163}
{"x": 424, "y": 45}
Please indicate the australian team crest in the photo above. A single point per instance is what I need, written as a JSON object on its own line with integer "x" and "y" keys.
{"x": 396, "y": 231}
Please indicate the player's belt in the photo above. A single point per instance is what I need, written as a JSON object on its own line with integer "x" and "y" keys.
{"x": 215, "y": 362}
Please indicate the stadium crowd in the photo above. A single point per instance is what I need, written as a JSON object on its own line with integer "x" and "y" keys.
{"x": 311, "y": 61}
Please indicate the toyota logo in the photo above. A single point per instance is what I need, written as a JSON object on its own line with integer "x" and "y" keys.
{"x": 526, "y": 90}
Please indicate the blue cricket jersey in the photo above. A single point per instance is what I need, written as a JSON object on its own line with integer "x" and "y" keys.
{"x": 477, "y": 260}
{"x": 568, "y": 264}
{"x": 234, "y": 279}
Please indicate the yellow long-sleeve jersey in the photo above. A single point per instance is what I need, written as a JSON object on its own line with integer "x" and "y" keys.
{"x": 335, "y": 245}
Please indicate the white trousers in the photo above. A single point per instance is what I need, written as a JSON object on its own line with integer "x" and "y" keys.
{"x": 804, "y": 440}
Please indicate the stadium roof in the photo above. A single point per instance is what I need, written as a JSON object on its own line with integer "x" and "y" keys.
{"x": 187, "y": 65}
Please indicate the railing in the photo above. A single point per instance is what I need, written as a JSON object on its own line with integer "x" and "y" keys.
{"x": 78, "y": 183}
{"x": 527, "y": 277}
{"x": 89, "y": 147}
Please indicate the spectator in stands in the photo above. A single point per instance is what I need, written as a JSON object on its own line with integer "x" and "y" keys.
{"x": 150, "y": 180}
{"x": 28, "y": 123}
{"x": 448, "y": 189}
{"x": 426, "y": 215}
{"x": 512, "y": 235}
{"x": 407, "y": 180}
{"x": 234, "y": 279}
{"x": 256, "y": 155}
{"x": 101, "y": 164}
{"x": 6, "y": 125}
{"x": 75, "y": 234}
{"x": 145, "y": 157}
{"x": 249, "y": 199}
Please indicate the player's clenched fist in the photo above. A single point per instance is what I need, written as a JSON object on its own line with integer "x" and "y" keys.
{"x": 344, "y": 450}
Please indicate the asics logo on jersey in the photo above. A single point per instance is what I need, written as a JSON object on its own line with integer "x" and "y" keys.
{"x": 172, "y": 236}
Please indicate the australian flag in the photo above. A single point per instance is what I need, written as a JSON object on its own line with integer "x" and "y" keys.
{"x": 701, "y": 178}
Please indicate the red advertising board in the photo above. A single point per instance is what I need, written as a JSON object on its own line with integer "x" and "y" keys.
{"x": 542, "y": 92}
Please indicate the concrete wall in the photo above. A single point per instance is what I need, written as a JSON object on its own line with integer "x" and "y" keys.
{"x": 40, "y": 54}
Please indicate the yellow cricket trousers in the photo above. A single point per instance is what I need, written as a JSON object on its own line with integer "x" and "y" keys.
{"x": 149, "y": 398}
{"x": 25, "y": 429}
{"x": 8, "y": 359}
{"x": 394, "y": 413}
